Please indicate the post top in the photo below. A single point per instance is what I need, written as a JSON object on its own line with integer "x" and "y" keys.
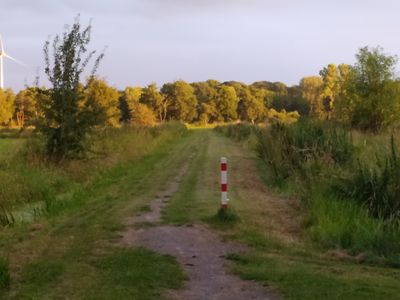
{"x": 223, "y": 160}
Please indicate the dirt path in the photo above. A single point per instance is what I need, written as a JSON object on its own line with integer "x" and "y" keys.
{"x": 200, "y": 251}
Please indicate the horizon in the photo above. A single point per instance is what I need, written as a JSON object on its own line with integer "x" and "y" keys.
{"x": 164, "y": 41}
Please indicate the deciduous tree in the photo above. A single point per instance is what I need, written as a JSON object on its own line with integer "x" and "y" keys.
{"x": 66, "y": 117}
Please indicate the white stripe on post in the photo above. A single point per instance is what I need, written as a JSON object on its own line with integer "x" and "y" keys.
{"x": 224, "y": 183}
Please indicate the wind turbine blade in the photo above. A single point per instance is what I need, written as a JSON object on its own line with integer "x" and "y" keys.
{"x": 16, "y": 60}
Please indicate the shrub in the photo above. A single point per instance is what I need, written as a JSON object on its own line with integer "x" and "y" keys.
{"x": 143, "y": 115}
{"x": 283, "y": 117}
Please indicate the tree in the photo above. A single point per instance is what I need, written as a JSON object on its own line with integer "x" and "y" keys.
{"x": 26, "y": 106}
{"x": 143, "y": 115}
{"x": 375, "y": 90}
{"x": 183, "y": 101}
{"x": 66, "y": 116}
{"x": 104, "y": 100}
{"x": 344, "y": 106}
{"x": 311, "y": 88}
{"x": 132, "y": 95}
{"x": 251, "y": 106}
{"x": 127, "y": 100}
{"x": 7, "y": 99}
{"x": 155, "y": 100}
{"x": 292, "y": 101}
{"x": 330, "y": 88}
{"x": 226, "y": 103}
{"x": 206, "y": 93}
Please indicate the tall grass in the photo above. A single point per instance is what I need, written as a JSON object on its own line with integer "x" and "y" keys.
{"x": 352, "y": 203}
{"x": 287, "y": 149}
{"x": 378, "y": 187}
{"x": 30, "y": 185}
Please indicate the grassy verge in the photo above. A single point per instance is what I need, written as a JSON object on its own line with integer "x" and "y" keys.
{"x": 281, "y": 256}
{"x": 73, "y": 251}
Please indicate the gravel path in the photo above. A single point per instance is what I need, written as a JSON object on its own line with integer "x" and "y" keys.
{"x": 199, "y": 250}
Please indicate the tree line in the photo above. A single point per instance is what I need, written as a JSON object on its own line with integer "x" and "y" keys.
{"x": 365, "y": 95}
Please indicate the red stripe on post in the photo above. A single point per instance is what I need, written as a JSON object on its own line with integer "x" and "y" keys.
{"x": 224, "y": 167}
{"x": 224, "y": 187}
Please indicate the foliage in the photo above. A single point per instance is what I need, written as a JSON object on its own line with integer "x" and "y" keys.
{"x": 226, "y": 102}
{"x": 67, "y": 117}
{"x": 103, "y": 101}
{"x": 143, "y": 115}
{"x": 251, "y": 106}
{"x": 183, "y": 101}
{"x": 374, "y": 90}
{"x": 283, "y": 117}
{"x": 156, "y": 101}
{"x": 311, "y": 91}
{"x": 291, "y": 101}
{"x": 206, "y": 93}
{"x": 26, "y": 106}
{"x": 7, "y": 99}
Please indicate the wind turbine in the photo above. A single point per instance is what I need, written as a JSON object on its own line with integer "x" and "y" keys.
{"x": 2, "y": 56}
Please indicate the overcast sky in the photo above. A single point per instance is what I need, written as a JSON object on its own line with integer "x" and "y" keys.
{"x": 195, "y": 40}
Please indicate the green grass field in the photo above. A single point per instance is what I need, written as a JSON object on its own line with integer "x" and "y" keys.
{"x": 73, "y": 250}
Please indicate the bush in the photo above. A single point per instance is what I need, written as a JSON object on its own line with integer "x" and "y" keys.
{"x": 143, "y": 115}
{"x": 283, "y": 117}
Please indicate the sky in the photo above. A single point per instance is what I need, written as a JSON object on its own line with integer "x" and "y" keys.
{"x": 195, "y": 40}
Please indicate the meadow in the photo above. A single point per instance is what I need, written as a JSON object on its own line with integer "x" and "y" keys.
{"x": 62, "y": 223}
{"x": 347, "y": 182}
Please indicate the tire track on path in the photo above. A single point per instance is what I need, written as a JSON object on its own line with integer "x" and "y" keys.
{"x": 200, "y": 251}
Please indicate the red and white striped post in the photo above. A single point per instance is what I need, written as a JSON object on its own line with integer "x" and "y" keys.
{"x": 224, "y": 183}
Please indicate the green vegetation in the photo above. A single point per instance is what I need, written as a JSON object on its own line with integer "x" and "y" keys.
{"x": 76, "y": 160}
{"x": 4, "y": 275}
{"x": 351, "y": 203}
{"x": 297, "y": 269}
{"x": 72, "y": 248}
{"x": 305, "y": 277}
{"x": 31, "y": 187}
{"x": 66, "y": 115}
{"x": 136, "y": 274}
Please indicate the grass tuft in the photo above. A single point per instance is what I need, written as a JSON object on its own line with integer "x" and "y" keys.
{"x": 224, "y": 217}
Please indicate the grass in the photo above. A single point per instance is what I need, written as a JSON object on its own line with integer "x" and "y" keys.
{"x": 313, "y": 278}
{"x": 76, "y": 254}
{"x": 135, "y": 274}
{"x": 282, "y": 255}
{"x": 349, "y": 202}
{"x": 77, "y": 246}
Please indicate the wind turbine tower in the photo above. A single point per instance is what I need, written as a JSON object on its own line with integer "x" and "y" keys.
{"x": 2, "y": 56}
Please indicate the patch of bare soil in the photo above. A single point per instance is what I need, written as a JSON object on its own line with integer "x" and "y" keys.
{"x": 200, "y": 251}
